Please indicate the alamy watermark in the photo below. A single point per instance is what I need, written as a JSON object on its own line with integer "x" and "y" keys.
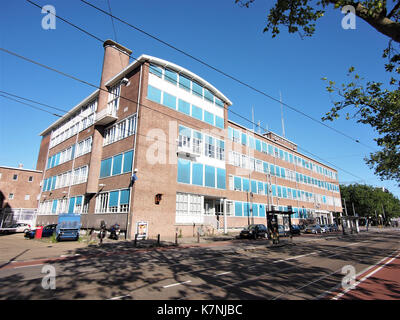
{"x": 49, "y": 280}
{"x": 349, "y": 279}
{"x": 49, "y": 20}
{"x": 349, "y": 20}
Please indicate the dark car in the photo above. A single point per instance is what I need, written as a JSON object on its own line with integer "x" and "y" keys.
{"x": 47, "y": 231}
{"x": 282, "y": 231}
{"x": 254, "y": 231}
{"x": 333, "y": 227}
{"x": 295, "y": 230}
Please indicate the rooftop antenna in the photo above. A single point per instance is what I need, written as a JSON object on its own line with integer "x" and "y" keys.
{"x": 283, "y": 123}
{"x": 259, "y": 126}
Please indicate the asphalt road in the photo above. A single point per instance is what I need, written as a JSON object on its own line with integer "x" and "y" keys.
{"x": 310, "y": 268}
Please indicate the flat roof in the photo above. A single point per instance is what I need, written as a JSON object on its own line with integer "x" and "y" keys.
{"x": 22, "y": 169}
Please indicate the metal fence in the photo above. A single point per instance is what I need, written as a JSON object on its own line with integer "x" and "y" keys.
{"x": 10, "y": 216}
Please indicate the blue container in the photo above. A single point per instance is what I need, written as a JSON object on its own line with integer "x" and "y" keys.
{"x": 68, "y": 227}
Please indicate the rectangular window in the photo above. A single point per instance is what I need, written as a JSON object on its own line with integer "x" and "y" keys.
{"x": 253, "y": 186}
{"x": 238, "y": 209}
{"x": 169, "y": 100}
{"x": 184, "y": 82}
{"x": 105, "y": 168}
{"x": 260, "y": 187}
{"x": 251, "y": 142}
{"x": 244, "y": 139}
{"x": 197, "y": 112}
{"x": 208, "y": 117}
{"x": 238, "y": 183}
{"x": 154, "y": 94}
{"x": 221, "y": 178}
{"x": 197, "y": 89}
{"x": 261, "y": 210}
{"x": 258, "y": 145}
{"x": 170, "y": 76}
{"x": 219, "y": 122}
{"x": 219, "y": 103}
{"x": 128, "y": 157}
{"x": 183, "y": 170}
{"x": 208, "y": 95}
{"x": 209, "y": 147}
{"x": 279, "y": 191}
{"x": 246, "y": 186}
{"x": 184, "y": 107}
{"x": 197, "y": 174}
{"x": 15, "y": 177}
{"x": 209, "y": 176}
{"x": 156, "y": 70}
{"x": 255, "y": 210}
{"x": 117, "y": 164}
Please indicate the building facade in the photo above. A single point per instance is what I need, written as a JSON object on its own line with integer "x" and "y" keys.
{"x": 19, "y": 190}
{"x": 153, "y": 150}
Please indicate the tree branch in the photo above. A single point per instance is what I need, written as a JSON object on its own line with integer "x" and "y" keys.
{"x": 395, "y": 8}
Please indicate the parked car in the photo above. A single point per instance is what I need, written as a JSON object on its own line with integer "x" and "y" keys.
{"x": 282, "y": 231}
{"x": 302, "y": 227}
{"x": 15, "y": 228}
{"x": 324, "y": 228}
{"x": 333, "y": 227}
{"x": 254, "y": 231}
{"x": 295, "y": 230}
{"x": 47, "y": 231}
{"x": 315, "y": 228}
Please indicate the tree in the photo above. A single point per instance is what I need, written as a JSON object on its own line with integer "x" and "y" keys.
{"x": 367, "y": 200}
{"x": 372, "y": 103}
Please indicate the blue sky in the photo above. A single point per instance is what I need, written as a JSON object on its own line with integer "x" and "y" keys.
{"x": 219, "y": 32}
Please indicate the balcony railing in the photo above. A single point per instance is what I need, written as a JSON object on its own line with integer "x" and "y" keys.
{"x": 188, "y": 147}
{"x": 105, "y": 116}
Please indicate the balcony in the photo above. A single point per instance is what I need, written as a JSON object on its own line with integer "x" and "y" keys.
{"x": 188, "y": 148}
{"x": 105, "y": 117}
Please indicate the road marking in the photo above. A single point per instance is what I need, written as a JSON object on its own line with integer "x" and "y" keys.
{"x": 220, "y": 274}
{"x": 296, "y": 257}
{"x": 176, "y": 284}
{"x": 31, "y": 265}
{"x": 365, "y": 277}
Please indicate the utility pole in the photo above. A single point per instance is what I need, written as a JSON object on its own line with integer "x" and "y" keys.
{"x": 383, "y": 210}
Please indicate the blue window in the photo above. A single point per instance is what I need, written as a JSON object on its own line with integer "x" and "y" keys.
{"x": 238, "y": 209}
{"x": 197, "y": 89}
{"x": 79, "y": 200}
{"x": 260, "y": 187}
{"x": 128, "y": 157}
{"x": 221, "y": 178}
{"x": 261, "y": 210}
{"x": 53, "y": 183}
{"x": 105, "y": 168}
{"x": 284, "y": 192}
{"x": 208, "y": 117}
{"x": 197, "y": 112}
{"x": 270, "y": 150}
{"x": 258, "y": 145}
{"x": 230, "y": 133}
{"x": 57, "y": 159}
{"x": 272, "y": 169}
{"x": 156, "y": 70}
{"x": 169, "y": 100}
{"x": 251, "y": 142}
{"x": 113, "y": 199}
{"x": 124, "y": 197}
{"x": 274, "y": 190}
{"x": 265, "y": 167}
{"x": 218, "y": 102}
{"x": 153, "y": 94}
{"x": 183, "y": 170}
{"x": 255, "y": 210}
{"x": 170, "y": 76}
{"x": 197, "y": 174}
{"x": 286, "y": 156}
{"x": 264, "y": 147}
{"x": 246, "y": 209}
{"x": 71, "y": 205}
{"x": 54, "y": 208}
{"x": 283, "y": 172}
{"x": 208, "y": 95}
{"x": 209, "y": 176}
{"x": 184, "y": 106}
{"x": 184, "y": 83}
{"x": 290, "y": 158}
{"x": 117, "y": 164}
{"x": 246, "y": 186}
{"x": 236, "y": 135}
{"x": 253, "y": 186}
{"x": 281, "y": 156}
{"x": 73, "y": 152}
{"x": 219, "y": 122}
{"x": 278, "y": 171}
{"x": 238, "y": 183}
{"x": 279, "y": 191}
{"x": 244, "y": 139}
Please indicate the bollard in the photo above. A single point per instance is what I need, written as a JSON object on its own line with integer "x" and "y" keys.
{"x": 176, "y": 238}
{"x": 134, "y": 243}
{"x": 158, "y": 239}
{"x": 198, "y": 237}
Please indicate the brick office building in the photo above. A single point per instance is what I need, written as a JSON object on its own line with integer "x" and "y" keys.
{"x": 19, "y": 190}
{"x": 194, "y": 166}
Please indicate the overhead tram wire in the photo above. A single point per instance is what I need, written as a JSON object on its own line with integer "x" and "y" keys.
{"x": 167, "y": 142}
{"x": 128, "y": 99}
{"x": 29, "y": 105}
{"x": 225, "y": 74}
{"x": 183, "y": 52}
